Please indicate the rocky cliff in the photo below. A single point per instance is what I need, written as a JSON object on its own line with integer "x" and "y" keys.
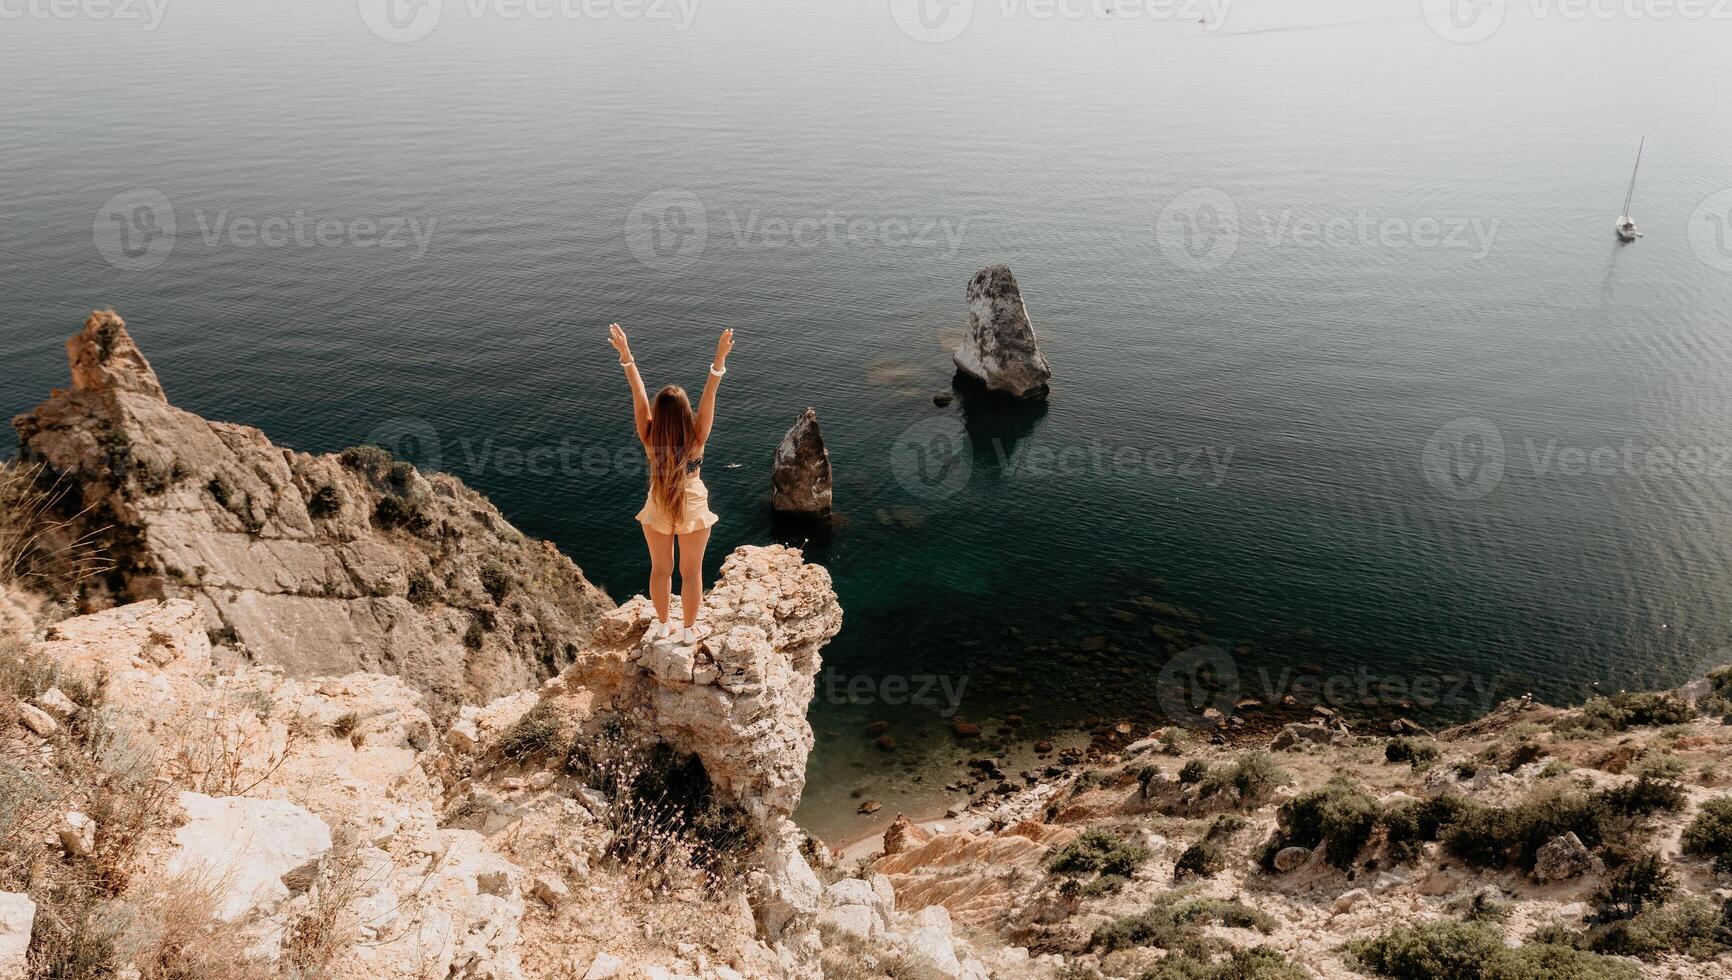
{"x": 628, "y": 818}
{"x": 358, "y": 726}
{"x": 320, "y": 564}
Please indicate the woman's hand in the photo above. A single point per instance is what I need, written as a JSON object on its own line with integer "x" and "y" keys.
{"x": 616, "y": 337}
{"x": 725, "y": 344}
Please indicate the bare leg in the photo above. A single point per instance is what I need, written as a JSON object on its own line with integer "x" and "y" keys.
{"x": 661, "y": 585}
{"x": 692, "y": 574}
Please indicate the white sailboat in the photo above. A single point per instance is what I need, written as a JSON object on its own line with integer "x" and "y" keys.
{"x": 1627, "y": 230}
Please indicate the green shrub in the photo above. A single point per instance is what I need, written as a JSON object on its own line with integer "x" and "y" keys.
{"x": 1208, "y": 856}
{"x": 1097, "y": 849}
{"x": 1257, "y": 963}
{"x": 1407, "y": 750}
{"x": 1338, "y": 815}
{"x": 1433, "y": 951}
{"x": 1709, "y": 834}
{"x": 475, "y": 635}
{"x": 1410, "y": 823}
{"x": 1540, "y": 961}
{"x": 1229, "y": 912}
{"x": 1193, "y": 772}
{"x": 1104, "y": 885}
{"x": 1254, "y": 775}
{"x": 1643, "y": 882}
{"x": 1157, "y": 928}
{"x": 1692, "y": 927}
{"x": 536, "y": 733}
{"x": 1204, "y": 859}
{"x": 497, "y": 580}
{"x": 1647, "y": 795}
{"x": 1632, "y": 709}
{"x": 422, "y": 591}
{"x": 1173, "y": 922}
{"x": 367, "y": 459}
{"x": 1503, "y": 836}
{"x": 393, "y": 511}
{"x": 324, "y": 502}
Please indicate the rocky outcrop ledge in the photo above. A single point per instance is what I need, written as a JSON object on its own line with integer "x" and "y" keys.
{"x": 321, "y": 564}
{"x": 486, "y": 851}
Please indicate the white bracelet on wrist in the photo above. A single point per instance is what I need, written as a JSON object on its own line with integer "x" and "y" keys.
{"x": 626, "y": 364}
{"x": 716, "y": 372}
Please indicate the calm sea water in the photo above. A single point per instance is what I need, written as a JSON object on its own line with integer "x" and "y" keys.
{"x": 1347, "y": 363}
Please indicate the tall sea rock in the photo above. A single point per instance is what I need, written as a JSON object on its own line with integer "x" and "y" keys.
{"x": 800, "y": 479}
{"x": 1000, "y": 348}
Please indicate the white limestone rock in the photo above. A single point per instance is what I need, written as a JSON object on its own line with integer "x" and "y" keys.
{"x": 246, "y": 846}
{"x": 17, "y": 923}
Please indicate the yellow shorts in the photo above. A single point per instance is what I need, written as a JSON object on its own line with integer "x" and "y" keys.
{"x": 696, "y": 515}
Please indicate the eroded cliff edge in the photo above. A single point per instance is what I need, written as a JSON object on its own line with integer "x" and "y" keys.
{"x": 321, "y": 564}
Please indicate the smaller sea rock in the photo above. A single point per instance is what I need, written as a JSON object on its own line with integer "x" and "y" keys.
{"x": 871, "y": 806}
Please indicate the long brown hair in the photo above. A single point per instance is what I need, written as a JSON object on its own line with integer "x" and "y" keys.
{"x": 672, "y": 430}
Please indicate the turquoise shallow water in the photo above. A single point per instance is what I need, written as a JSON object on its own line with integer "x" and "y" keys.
{"x": 1255, "y": 437}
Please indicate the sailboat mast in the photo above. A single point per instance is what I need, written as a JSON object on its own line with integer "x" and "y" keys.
{"x": 1632, "y": 191}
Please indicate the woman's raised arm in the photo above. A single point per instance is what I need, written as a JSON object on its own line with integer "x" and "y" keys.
{"x": 718, "y": 367}
{"x": 639, "y": 399}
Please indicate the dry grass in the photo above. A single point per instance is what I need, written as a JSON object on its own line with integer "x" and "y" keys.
{"x": 41, "y": 546}
{"x": 93, "y": 914}
{"x": 222, "y": 758}
{"x": 177, "y": 934}
{"x": 668, "y": 830}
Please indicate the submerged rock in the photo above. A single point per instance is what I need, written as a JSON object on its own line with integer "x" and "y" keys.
{"x": 800, "y": 477}
{"x": 1000, "y": 348}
